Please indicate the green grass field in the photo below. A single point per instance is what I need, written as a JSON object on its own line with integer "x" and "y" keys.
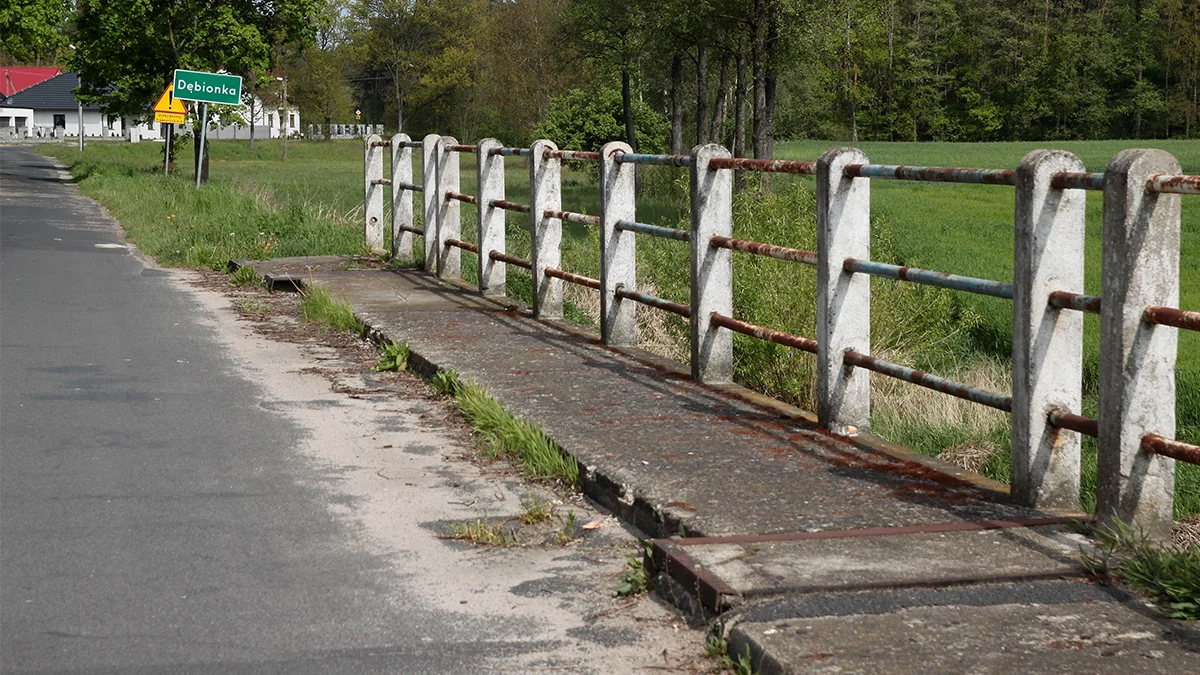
{"x": 258, "y": 206}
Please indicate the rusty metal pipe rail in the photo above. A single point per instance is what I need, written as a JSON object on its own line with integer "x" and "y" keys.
{"x": 1169, "y": 316}
{"x": 941, "y": 174}
{"x": 381, "y": 144}
{"x": 382, "y": 181}
{"x": 462, "y": 198}
{"x": 764, "y": 165}
{"x": 664, "y": 160}
{"x": 1177, "y": 184}
{"x": 653, "y": 230}
{"x": 920, "y": 378}
{"x": 573, "y": 217}
{"x": 511, "y": 260}
{"x": 413, "y": 144}
{"x": 464, "y": 245}
{"x": 508, "y": 206}
{"x": 573, "y": 278}
{"x": 1167, "y": 447}
{"x": 1075, "y": 301}
{"x": 462, "y": 148}
{"x": 768, "y": 250}
{"x": 1062, "y": 419}
{"x": 577, "y": 155}
{"x": 753, "y": 330}
{"x": 1073, "y": 180}
{"x": 409, "y": 186}
{"x": 653, "y": 301}
{"x": 509, "y": 152}
{"x": 955, "y": 282}
{"x": 414, "y": 230}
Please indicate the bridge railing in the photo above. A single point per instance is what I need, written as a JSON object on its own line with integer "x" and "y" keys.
{"x": 1138, "y": 314}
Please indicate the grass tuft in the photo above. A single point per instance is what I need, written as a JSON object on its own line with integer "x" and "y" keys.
{"x": 394, "y": 358}
{"x": 318, "y": 304}
{"x": 502, "y": 434}
{"x": 1168, "y": 573}
{"x": 245, "y": 276}
{"x": 535, "y": 510}
{"x": 482, "y": 532}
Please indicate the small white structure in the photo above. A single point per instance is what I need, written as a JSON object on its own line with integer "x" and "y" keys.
{"x": 269, "y": 121}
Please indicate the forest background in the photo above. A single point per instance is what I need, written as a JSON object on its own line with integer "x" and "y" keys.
{"x": 743, "y": 73}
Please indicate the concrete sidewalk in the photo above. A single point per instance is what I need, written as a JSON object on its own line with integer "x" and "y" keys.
{"x": 820, "y": 552}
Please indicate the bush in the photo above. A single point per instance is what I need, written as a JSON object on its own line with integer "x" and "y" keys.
{"x": 587, "y": 119}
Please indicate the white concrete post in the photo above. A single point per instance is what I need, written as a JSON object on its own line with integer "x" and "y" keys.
{"x": 402, "y": 199}
{"x": 491, "y": 220}
{"x": 545, "y": 182}
{"x": 1137, "y": 359}
{"x": 1047, "y": 342}
{"x": 429, "y": 199}
{"x": 448, "y": 222}
{"x": 843, "y": 299}
{"x": 712, "y": 268}
{"x": 618, "y": 252}
{"x": 373, "y": 197}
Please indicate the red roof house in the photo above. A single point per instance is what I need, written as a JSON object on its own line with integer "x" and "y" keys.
{"x": 16, "y": 78}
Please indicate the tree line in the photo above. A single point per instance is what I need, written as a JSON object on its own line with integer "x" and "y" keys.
{"x": 667, "y": 72}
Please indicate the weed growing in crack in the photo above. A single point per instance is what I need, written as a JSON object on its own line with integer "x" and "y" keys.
{"x": 318, "y": 304}
{"x": 445, "y": 382}
{"x": 566, "y": 533}
{"x": 251, "y": 305}
{"x": 535, "y": 510}
{"x": 394, "y": 358}
{"x": 245, "y": 276}
{"x": 636, "y": 580}
{"x": 483, "y": 533}
{"x": 1171, "y": 574}
{"x": 717, "y": 647}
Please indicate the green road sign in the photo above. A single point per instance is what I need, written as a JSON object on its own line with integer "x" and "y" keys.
{"x": 208, "y": 87}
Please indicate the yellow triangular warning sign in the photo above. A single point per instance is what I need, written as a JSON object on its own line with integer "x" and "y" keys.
{"x": 169, "y": 104}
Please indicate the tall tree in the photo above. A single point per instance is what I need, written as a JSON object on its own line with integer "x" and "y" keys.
{"x": 33, "y": 31}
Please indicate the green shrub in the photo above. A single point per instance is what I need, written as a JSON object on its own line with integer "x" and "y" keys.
{"x": 587, "y": 119}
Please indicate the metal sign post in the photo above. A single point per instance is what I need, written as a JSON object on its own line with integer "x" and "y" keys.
{"x": 203, "y": 138}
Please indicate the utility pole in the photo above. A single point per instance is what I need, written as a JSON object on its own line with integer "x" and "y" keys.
{"x": 285, "y": 121}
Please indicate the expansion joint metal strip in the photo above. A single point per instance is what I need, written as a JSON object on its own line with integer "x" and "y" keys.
{"x": 957, "y": 389}
{"x": 759, "y": 248}
{"x": 778, "y": 337}
{"x": 997, "y": 289}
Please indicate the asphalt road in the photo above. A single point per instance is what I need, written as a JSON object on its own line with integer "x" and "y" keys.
{"x": 153, "y": 516}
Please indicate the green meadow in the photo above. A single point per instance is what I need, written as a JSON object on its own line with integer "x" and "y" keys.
{"x": 259, "y": 206}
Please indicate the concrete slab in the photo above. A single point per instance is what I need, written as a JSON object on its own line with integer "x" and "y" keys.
{"x": 1077, "y": 630}
{"x": 928, "y": 559}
